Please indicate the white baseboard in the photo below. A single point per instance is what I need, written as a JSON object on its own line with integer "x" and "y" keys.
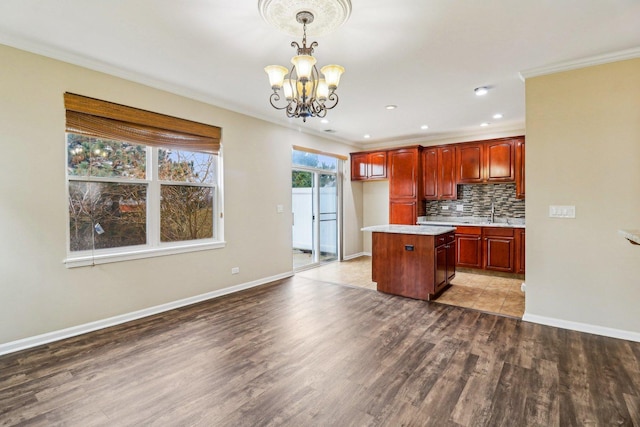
{"x": 358, "y": 255}
{"x": 73, "y": 331}
{"x": 582, "y": 327}
{"x": 367, "y": 253}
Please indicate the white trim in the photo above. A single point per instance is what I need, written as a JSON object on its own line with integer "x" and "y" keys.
{"x": 105, "y": 258}
{"x": 367, "y": 253}
{"x": 73, "y": 331}
{"x": 583, "y": 327}
{"x": 581, "y": 63}
{"x": 358, "y": 255}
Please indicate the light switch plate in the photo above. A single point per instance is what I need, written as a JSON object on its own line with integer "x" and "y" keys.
{"x": 459, "y": 208}
{"x": 556, "y": 211}
{"x": 279, "y": 208}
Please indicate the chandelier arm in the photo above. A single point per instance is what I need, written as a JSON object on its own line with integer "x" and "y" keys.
{"x": 275, "y": 97}
{"x": 334, "y": 98}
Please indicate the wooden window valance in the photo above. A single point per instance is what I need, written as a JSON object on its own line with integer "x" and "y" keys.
{"x": 102, "y": 119}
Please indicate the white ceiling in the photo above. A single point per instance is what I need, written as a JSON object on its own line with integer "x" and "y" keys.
{"x": 426, "y": 56}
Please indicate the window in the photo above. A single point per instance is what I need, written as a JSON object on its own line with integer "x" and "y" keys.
{"x": 139, "y": 183}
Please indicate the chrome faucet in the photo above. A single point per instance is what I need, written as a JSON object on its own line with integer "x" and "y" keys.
{"x": 493, "y": 212}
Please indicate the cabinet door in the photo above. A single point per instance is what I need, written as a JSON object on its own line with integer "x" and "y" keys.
{"x": 403, "y": 212}
{"x": 499, "y": 249}
{"x": 430, "y": 173}
{"x": 520, "y": 256}
{"x": 440, "y": 267}
{"x": 499, "y": 161}
{"x": 520, "y": 169}
{"x": 402, "y": 170}
{"x": 447, "y": 189}
{"x": 451, "y": 261}
{"x": 468, "y": 251}
{"x": 358, "y": 166}
{"x": 377, "y": 163}
{"x": 469, "y": 163}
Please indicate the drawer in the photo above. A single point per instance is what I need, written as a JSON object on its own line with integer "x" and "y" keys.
{"x": 498, "y": 231}
{"x": 443, "y": 239}
{"x": 465, "y": 229}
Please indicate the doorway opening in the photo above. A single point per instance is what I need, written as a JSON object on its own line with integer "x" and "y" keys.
{"x": 315, "y": 200}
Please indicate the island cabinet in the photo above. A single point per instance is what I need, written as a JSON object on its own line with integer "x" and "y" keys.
{"x": 499, "y": 249}
{"x": 486, "y": 161}
{"x": 369, "y": 166}
{"x": 413, "y": 265}
{"x": 405, "y": 185}
{"x": 439, "y": 173}
{"x": 469, "y": 247}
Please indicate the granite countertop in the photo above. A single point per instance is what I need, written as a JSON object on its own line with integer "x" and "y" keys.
{"x": 409, "y": 229}
{"x": 471, "y": 221}
{"x": 632, "y": 235}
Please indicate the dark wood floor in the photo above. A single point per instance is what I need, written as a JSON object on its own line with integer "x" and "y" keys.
{"x": 305, "y": 353}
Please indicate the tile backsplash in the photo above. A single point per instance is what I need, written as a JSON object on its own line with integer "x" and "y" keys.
{"x": 476, "y": 201}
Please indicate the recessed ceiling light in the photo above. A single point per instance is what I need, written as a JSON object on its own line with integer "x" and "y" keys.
{"x": 424, "y": 127}
{"x": 391, "y": 107}
{"x": 324, "y": 121}
{"x": 482, "y": 90}
{"x": 485, "y": 124}
{"x": 497, "y": 116}
{"x": 367, "y": 136}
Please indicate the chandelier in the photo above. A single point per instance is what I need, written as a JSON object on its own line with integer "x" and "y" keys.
{"x": 305, "y": 93}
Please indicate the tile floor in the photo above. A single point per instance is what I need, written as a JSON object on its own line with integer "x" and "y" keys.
{"x": 482, "y": 292}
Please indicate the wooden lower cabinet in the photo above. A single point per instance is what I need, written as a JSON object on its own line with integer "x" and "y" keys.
{"x": 403, "y": 211}
{"x": 520, "y": 245}
{"x": 499, "y": 249}
{"x": 413, "y": 265}
{"x": 469, "y": 247}
{"x": 490, "y": 248}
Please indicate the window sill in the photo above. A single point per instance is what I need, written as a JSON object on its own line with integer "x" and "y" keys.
{"x": 106, "y": 258}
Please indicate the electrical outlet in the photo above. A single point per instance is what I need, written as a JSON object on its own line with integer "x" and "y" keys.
{"x": 445, "y": 208}
{"x": 235, "y": 270}
{"x": 279, "y": 208}
{"x": 459, "y": 208}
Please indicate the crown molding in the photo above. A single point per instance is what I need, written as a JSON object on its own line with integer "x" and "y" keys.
{"x": 581, "y": 63}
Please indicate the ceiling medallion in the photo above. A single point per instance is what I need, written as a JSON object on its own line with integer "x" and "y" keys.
{"x": 329, "y": 14}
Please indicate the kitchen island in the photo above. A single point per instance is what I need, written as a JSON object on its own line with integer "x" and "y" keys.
{"x": 413, "y": 261}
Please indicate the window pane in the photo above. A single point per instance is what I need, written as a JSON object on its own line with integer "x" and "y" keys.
{"x": 186, "y": 213}
{"x": 318, "y": 161}
{"x": 186, "y": 166}
{"x": 107, "y": 215}
{"x": 97, "y": 157}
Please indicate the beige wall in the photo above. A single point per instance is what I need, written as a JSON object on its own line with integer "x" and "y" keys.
{"x": 583, "y": 149}
{"x": 375, "y": 202}
{"x": 39, "y": 295}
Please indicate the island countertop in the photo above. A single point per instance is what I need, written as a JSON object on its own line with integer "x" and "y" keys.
{"x": 427, "y": 230}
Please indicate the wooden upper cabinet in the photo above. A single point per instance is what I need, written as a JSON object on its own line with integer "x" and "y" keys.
{"x": 358, "y": 166}
{"x": 470, "y": 163}
{"x": 499, "y": 161}
{"x": 368, "y": 166}
{"x": 405, "y": 185}
{"x": 439, "y": 173}
{"x": 377, "y": 165}
{"x": 487, "y": 161}
{"x": 447, "y": 189}
{"x": 403, "y": 166}
{"x": 430, "y": 173}
{"x": 519, "y": 146}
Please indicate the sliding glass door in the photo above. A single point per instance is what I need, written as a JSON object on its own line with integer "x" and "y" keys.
{"x": 316, "y": 209}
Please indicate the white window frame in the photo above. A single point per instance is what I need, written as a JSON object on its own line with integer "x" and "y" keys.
{"x": 154, "y": 247}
